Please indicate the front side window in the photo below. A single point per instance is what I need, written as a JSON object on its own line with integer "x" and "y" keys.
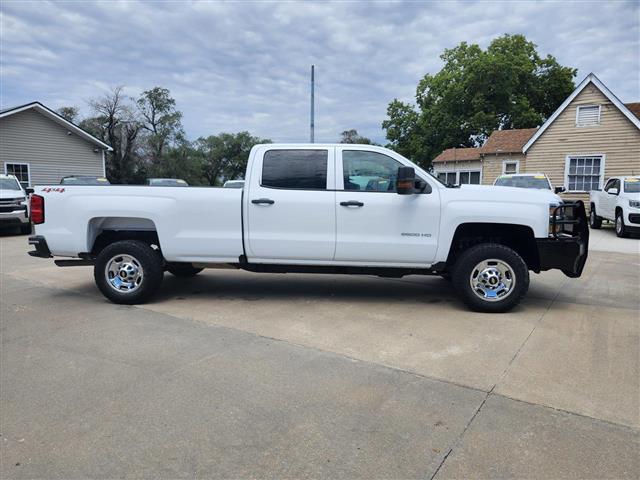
{"x": 613, "y": 183}
{"x": 295, "y": 169}
{"x": 20, "y": 171}
{"x": 584, "y": 173}
{"x": 369, "y": 171}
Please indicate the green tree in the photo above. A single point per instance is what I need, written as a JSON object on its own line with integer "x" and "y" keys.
{"x": 161, "y": 121}
{"x": 508, "y": 85}
{"x": 179, "y": 161}
{"x": 68, "y": 113}
{"x": 225, "y": 156}
{"x": 352, "y": 136}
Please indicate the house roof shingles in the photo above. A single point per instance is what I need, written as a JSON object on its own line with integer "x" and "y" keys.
{"x": 634, "y": 108}
{"x": 508, "y": 141}
{"x": 500, "y": 141}
{"x": 458, "y": 154}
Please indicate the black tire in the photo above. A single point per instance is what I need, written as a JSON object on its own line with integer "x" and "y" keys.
{"x": 517, "y": 270}
{"x": 595, "y": 221}
{"x": 25, "y": 229}
{"x": 183, "y": 270}
{"x": 145, "y": 257}
{"x": 621, "y": 228}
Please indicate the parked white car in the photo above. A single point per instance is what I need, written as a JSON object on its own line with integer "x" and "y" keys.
{"x": 314, "y": 208}
{"x": 14, "y": 207}
{"x": 527, "y": 180}
{"x": 619, "y": 202}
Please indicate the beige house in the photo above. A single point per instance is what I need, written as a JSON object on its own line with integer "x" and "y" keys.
{"x": 590, "y": 137}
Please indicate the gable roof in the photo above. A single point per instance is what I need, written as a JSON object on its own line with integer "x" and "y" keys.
{"x": 458, "y": 154}
{"x": 47, "y": 112}
{"x": 508, "y": 141}
{"x": 591, "y": 78}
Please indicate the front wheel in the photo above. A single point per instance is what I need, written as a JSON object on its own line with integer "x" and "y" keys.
{"x": 621, "y": 228}
{"x": 128, "y": 272}
{"x": 491, "y": 278}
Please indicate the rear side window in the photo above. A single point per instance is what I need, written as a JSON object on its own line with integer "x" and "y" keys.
{"x": 295, "y": 169}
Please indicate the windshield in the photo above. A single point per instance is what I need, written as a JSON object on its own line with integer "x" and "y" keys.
{"x": 84, "y": 181}
{"x": 9, "y": 184}
{"x": 632, "y": 185}
{"x": 523, "y": 181}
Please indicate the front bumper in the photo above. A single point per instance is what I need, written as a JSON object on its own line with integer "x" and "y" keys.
{"x": 567, "y": 248}
{"x": 14, "y": 217}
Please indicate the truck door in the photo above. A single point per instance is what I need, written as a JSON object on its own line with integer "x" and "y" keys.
{"x": 609, "y": 199}
{"x": 290, "y": 205}
{"x": 374, "y": 223}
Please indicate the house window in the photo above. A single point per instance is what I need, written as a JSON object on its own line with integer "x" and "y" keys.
{"x": 588, "y": 115}
{"x": 471, "y": 177}
{"x": 460, "y": 177}
{"x": 510, "y": 167}
{"x": 584, "y": 173}
{"x": 20, "y": 171}
{"x": 449, "y": 178}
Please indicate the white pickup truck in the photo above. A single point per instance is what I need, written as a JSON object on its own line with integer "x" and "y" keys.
{"x": 316, "y": 208}
{"x": 619, "y": 202}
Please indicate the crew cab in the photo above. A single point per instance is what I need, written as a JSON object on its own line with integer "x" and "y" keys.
{"x": 315, "y": 208}
{"x": 618, "y": 202}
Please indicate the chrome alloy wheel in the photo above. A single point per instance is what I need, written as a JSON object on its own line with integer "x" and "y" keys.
{"x": 492, "y": 280}
{"x": 124, "y": 273}
{"x": 619, "y": 224}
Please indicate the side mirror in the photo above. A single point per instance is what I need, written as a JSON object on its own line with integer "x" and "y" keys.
{"x": 560, "y": 189}
{"x": 405, "y": 185}
{"x": 613, "y": 191}
{"x": 29, "y": 191}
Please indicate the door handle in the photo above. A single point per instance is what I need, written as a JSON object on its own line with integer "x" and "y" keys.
{"x": 260, "y": 201}
{"x": 352, "y": 203}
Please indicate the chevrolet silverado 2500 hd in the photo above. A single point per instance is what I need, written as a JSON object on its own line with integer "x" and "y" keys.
{"x": 354, "y": 209}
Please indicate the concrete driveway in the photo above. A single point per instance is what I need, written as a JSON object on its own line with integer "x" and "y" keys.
{"x": 233, "y": 374}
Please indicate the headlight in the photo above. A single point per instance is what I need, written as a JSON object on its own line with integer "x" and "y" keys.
{"x": 634, "y": 203}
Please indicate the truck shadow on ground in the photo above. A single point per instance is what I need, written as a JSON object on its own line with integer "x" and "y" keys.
{"x": 248, "y": 287}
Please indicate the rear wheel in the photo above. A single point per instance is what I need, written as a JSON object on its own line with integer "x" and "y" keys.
{"x": 595, "y": 221}
{"x": 621, "y": 228}
{"x": 25, "y": 229}
{"x": 491, "y": 278}
{"x": 128, "y": 272}
{"x": 183, "y": 270}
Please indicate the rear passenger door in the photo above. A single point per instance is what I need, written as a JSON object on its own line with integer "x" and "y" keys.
{"x": 290, "y": 205}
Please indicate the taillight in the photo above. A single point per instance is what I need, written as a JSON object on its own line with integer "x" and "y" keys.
{"x": 37, "y": 209}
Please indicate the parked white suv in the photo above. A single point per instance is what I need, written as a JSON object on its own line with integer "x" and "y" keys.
{"x": 618, "y": 202}
{"x": 14, "y": 207}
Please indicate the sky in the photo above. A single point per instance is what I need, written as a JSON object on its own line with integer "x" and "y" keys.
{"x": 234, "y": 66}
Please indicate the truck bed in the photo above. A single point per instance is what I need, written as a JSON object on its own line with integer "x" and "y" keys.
{"x": 196, "y": 224}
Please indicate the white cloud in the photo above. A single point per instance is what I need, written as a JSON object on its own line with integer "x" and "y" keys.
{"x": 245, "y": 66}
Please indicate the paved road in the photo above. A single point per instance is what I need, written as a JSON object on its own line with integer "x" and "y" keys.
{"x": 234, "y": 374}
